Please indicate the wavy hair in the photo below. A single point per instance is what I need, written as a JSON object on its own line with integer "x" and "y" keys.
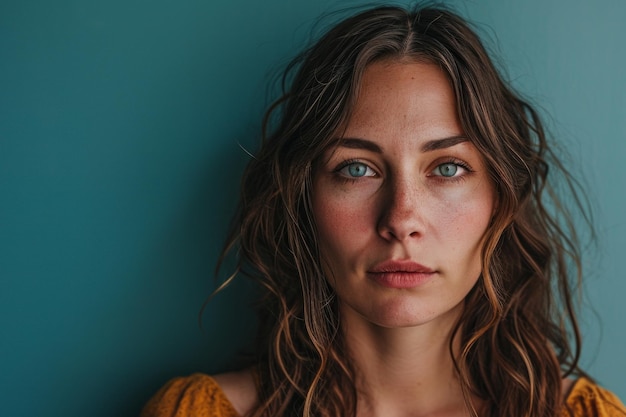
{"x": 514, "y": 329}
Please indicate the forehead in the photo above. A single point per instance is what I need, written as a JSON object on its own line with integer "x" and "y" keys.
{"x": 403, "y": 82}
{"x": 399, "y": 99}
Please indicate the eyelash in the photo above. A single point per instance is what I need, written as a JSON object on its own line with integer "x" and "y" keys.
{"x": 347, "y": 163}
{"x": 456, "y": 178}
{"x": 439, "y": 178}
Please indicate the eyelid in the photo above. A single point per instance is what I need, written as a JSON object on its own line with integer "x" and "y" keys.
{"x": 442, "y": 161}
{"x": 348, "y": 162}
{"x": 451, "y": 160}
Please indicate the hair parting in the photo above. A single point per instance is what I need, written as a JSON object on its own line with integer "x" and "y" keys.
{"x": 513, "y": 336}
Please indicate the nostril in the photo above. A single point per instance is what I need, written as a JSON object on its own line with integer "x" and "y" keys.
{"x": 398, "y": 232}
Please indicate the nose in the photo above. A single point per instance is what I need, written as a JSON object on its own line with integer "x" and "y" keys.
{"x": 401, "y": 214}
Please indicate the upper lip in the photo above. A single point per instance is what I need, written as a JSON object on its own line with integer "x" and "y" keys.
{"x": 400, "y": 266}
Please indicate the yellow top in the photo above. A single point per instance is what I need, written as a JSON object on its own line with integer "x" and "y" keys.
{"x": 200, "y": 396}
{"x": 197, "y": 395}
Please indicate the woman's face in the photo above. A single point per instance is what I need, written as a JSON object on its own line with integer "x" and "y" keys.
{"x": 402, "y": 204}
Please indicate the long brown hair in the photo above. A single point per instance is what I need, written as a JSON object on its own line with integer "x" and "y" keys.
{"x": 515, "y": 347}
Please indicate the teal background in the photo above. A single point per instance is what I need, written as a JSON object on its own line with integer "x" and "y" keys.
{"x": 120, "y": 131}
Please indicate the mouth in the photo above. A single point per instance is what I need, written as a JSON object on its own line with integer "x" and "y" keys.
{"x": 401, "y": 274}
{"x": 401, "y": 267}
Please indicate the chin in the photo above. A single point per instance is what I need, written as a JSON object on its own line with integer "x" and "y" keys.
{"x": 406, "y": 314}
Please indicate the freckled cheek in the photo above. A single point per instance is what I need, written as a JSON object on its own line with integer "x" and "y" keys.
{"x": 340, "y": 219}
{"x": 459, "y": 235}
{"x": 343, "y": 220}
{"x": 334, "y": 224}
{"x": 464, "y": 216}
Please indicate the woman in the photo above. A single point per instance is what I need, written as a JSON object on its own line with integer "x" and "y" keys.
{"x": 396, "y": 219}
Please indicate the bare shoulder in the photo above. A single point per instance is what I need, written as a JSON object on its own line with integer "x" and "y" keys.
{"x": 240, "y": 389}
{"x": 566, "y": 386}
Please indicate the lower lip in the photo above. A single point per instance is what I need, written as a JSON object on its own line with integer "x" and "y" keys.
{"x": 401, "y": 279}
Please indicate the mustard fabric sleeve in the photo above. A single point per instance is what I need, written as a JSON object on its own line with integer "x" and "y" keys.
{"x": 197, "y": 395}
{"x": 589, "y": 400}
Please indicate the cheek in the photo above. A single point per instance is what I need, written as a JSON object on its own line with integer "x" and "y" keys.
{"x": 463, "y": 218}
{"x": 343, "y": 217}
{"x": 469, "y": 208}
{"x": 339, "y": 221}
{"x": 469, "y": 221}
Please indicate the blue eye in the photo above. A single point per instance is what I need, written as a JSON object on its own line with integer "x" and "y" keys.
{"x": 447, "y": 170}
{"x": 356, "y": 170}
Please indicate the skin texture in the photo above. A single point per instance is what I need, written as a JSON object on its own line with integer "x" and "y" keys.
{"x": 402, "y": 185}
{"x": 402, "y": 207}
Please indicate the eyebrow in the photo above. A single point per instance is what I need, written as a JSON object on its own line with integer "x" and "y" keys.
{"x": 431, "y": 145}
{"x": 355, "y": 143}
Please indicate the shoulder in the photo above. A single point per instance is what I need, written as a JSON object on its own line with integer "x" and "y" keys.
{"x": 240, "y": 388}
{"x": 586, "y": 398}
{"x": 225, "y": 395}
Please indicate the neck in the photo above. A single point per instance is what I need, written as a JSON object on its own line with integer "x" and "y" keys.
{"x": 403, "y": 371}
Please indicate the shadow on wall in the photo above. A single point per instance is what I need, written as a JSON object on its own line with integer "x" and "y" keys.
{"x": 181, "y": 278}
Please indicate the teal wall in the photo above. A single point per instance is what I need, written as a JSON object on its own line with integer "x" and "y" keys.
{"x": 119, "y": 164}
